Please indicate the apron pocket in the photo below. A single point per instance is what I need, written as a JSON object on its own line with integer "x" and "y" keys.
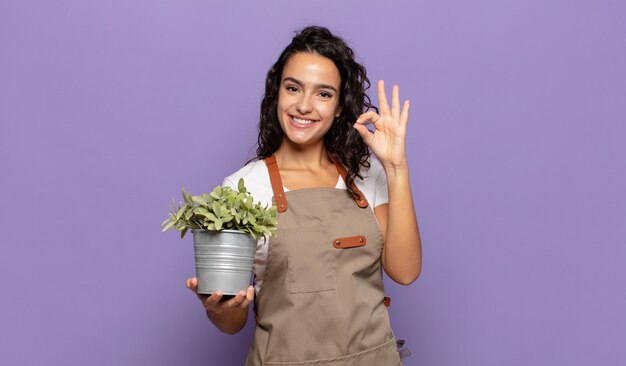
{"x": 310, "y": 261}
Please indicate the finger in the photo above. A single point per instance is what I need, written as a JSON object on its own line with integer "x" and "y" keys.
{"x": 404, "y": 117}
{"x": 212, "y": 301}
{"x": 192, "y": 284}
{"x": 249, "y": 297}
{"x": 235, "y": 301}
{"x": 382, "y": 98}
{"x": 370, "y": 116}
{"x": 395, "y": 103}
{"x": 193, "y": 281}
{"x": 366, "y": 135}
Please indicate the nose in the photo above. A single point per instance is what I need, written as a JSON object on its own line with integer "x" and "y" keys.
{"x": 304, "y": 104}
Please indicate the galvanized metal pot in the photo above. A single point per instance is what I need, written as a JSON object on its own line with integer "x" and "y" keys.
{"x": 223, "y": 260}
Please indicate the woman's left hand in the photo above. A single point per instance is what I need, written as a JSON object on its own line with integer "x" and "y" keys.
{"x": 388, "y": 141}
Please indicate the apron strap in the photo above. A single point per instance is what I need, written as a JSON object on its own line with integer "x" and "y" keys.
{"x": 358, "y": 196}
{"x": 279, "y": 192}
{"x": 277, "y": 183}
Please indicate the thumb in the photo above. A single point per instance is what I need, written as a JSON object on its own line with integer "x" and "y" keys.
{"x": 192, "y": 284}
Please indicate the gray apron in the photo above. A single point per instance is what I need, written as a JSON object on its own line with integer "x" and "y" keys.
{"x": 322, "y": 298}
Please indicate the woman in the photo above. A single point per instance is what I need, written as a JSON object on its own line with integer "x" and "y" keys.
{"x": 342, "y": 214}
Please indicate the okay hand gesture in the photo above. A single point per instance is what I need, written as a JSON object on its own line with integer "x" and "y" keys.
{"x": 388, "y": 141}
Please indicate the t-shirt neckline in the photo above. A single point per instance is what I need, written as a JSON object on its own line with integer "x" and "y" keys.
{"x": 337, "y": 185}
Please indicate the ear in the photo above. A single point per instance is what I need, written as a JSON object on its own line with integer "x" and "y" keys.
{"x": 338, "y": 112}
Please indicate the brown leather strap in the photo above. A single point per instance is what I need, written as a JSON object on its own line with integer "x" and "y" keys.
{"x": 387, "y": 301}
{"x": 358, "y": 196}
{"x": 277, "y": 183}
{"x": 279, "y": 192}
{"x": 349, "y": 242}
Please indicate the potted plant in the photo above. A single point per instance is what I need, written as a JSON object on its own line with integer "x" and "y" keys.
{"x": 226, "y": 225}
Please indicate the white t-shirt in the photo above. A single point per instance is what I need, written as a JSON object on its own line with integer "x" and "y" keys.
{"x": 257, "y": 182}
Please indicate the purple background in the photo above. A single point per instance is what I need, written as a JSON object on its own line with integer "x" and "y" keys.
{"x": 516, "y": 147}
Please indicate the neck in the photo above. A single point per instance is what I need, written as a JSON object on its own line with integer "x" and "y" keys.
{"x": 290, "y": 155}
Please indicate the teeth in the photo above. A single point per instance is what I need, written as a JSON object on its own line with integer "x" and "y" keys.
{"x": 301, "y": 121}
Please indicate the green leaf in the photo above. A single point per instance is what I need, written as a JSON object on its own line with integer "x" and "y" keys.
{"x": 180, "y": 212}
{"x": 198, "y": 199}
{"x": 216, "y": 208}
{"x": 240, "y": 186}
{"x": 210, "y": 216}
{"x": 169, "y": 226}
{"x": 218, "y": 224}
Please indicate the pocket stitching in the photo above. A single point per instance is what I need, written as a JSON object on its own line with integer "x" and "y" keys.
{"x": 329, "y": 284}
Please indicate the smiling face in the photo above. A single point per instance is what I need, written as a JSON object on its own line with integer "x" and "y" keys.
{"x": 308, "y": 98}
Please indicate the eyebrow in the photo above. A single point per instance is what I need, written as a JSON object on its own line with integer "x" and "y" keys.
{"x": 317, "y": 86}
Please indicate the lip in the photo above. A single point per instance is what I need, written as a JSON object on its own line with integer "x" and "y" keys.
{"x": 297, "y": 125}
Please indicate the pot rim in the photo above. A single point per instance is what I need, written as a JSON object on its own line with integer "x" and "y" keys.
{"x": 219, "y": 231}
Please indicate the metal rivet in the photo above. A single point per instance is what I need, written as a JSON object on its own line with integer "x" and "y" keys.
{"x": 360, "y": 240}
{"x": 280, "y": 195}
{"x": 361, "y": 201}
{"x": 337, "y": 242}
{"x": 282, "y": 206}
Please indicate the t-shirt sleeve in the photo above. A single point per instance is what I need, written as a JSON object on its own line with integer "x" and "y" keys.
{"x": 229, "y": 183}
{"x": 382, "y": 194}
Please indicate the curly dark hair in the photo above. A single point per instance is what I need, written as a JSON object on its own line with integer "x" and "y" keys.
{"x": 342, "y": 142}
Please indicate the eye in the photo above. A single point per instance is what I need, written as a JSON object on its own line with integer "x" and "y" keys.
{"x": 291, "y": 88}
{"x": 325, "y": 95}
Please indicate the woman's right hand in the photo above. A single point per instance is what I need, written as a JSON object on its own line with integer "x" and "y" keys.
{"x": 212, "y": 303}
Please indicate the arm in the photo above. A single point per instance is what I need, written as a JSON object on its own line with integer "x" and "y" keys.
{"x": 402, "y": 252}
{"x": 229, "y": 322}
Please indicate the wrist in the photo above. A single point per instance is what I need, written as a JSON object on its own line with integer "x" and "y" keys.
{"x": 400, "y": 166}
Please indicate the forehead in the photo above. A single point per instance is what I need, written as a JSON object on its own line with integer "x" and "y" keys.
{"x": 312, "y": 68}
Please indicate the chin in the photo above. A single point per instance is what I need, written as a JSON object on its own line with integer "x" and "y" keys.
{"x": 301, "y": 142}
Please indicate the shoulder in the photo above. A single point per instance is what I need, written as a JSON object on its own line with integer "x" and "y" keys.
{"x": 255, "y": 178}
{"x": 248, "y": 172}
